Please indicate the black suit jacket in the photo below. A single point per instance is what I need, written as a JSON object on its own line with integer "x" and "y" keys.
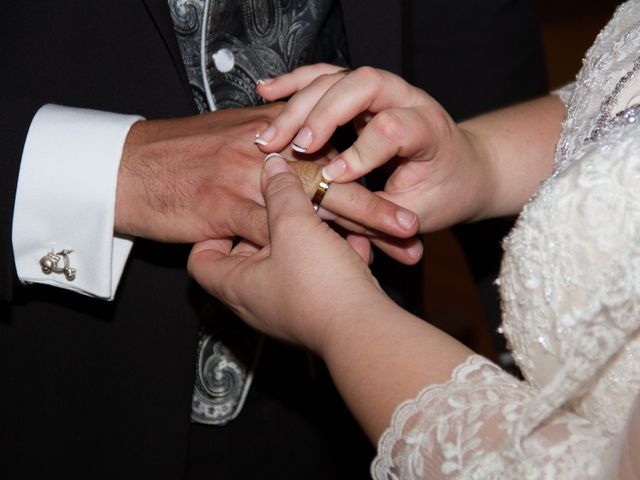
{"x": 102, "y": 390}
{"x": 90, "y": 388}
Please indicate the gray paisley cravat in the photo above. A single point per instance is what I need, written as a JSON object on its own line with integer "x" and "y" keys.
{"x": 226, "y": 46}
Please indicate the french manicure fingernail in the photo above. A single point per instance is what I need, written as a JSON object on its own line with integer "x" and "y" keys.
{"x": 302, "y": 140}
{"x": 265, "y": 136}
{"x": 334, "y": 169}
{"x": 275, "y": 164}
{"x": 274, "y": 154}
{"x": 265, "y": 81}
{"x": 405, "y": 219}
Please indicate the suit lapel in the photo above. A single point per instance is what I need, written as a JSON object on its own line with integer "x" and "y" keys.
{"x": 159, "y": 12}
{"x": 374, "y": 30}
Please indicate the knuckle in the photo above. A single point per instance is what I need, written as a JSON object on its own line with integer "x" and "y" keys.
{"x": 366, "y": 203}
{"x": 389, "y": 126}
{"x": 374, "y": 206}
{"x": 443, "y": 125}
{"x": 323, "y": 81}
{"x": 292, "y": 113}
{"x": 371, "y": 77}
{"x": 269, "y": 114}
{"x": 253, "y": 220}
{"x": 281, "y": 184}
{"x": 356, "y": 158}
{"x": 256, "y": 219}
{"x": 323, "y": 114}
{"x": 211, "y": 191}
{"x": 323, "y": 77}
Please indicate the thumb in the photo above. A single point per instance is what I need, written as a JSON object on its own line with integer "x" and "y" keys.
{"x": 210, "y": 264}
{"x": 284, "y": 195}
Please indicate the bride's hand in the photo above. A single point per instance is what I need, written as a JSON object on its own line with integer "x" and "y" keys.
{"x": 303, "y": 282}
{"x": 444, "y": 173}
{"x": 357, "y": 210}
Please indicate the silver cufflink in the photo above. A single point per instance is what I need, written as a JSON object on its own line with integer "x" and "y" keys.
{"x": 50, "y": 263}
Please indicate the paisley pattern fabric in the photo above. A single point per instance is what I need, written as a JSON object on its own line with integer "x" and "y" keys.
{"x": 226, "y": 46}
{"x": 570, "y": 290}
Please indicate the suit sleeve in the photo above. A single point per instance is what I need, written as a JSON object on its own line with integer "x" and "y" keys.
{"x": 15, "y": 119}
{"x": 91, "y": 56}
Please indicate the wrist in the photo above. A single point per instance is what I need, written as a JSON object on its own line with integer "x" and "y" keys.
{"x": 484, "y": 181}
{"x": 350, "y": 319}
{"x": 124, "y": 187}
{"x": 515, "y": 148}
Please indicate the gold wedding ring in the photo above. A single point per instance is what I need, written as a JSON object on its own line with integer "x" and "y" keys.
{"x": 321, "y": 190}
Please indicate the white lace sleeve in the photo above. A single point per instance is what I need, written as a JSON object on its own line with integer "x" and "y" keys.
{"x": 565, "y": 92}
{"x": 571, "y": 296}
{"x": 570, "y": 290}
{"x": 466, "y": 429}
{"x": 570, "y": 287}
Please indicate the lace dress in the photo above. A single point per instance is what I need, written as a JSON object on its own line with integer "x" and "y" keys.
{"x": 570, "y": 289}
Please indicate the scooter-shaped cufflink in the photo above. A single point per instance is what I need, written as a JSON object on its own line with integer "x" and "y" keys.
{"x": 50, "y": 263}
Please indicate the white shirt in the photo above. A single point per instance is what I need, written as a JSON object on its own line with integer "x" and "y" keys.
{"x": 65, "y": 198}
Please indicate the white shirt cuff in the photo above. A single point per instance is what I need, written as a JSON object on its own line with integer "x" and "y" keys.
{"x": 66, "y": 198}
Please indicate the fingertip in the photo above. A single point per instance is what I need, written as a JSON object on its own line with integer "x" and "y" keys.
{"x": 263, "y": 88}
{"x": 274, "y": 164}
{"x": 261, "y": 142}
{"x": 273, "y": 89}
{"x": 407, "y": 251}
{"x": 415, "y": 252}
{"x": 205, "y": 245}
{"x": 272, "y": 155}
{"x": 273, "y": 137}
{"x": 302, "y": 141}
{"x": 265, "y": 137}
{"x": 335, "y": 169}
{"x": 407, "y": 220}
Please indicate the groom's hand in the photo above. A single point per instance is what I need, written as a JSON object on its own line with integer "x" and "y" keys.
{"x": 197, "y": 178}
{"x": 194, "y": 178}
